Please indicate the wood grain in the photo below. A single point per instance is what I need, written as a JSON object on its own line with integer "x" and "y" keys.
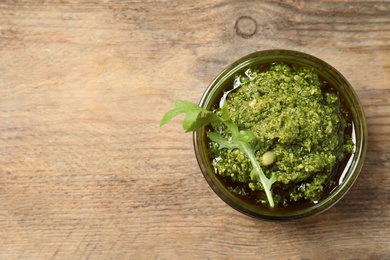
{"x": 87, "y": 173}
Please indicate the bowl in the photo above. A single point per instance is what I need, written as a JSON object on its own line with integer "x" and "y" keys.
{"x": 349, "y": 170}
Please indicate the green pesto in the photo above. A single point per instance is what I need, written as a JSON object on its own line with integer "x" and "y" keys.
{"x": 299, "y": 129}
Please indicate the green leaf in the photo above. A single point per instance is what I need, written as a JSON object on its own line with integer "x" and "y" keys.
{"x": 246, "y": 136}
{"x": 192, "y": 121}
{"x": 225, "y": 114}
{"x": 169, "y": 115}
{"x": 223, "y": 143}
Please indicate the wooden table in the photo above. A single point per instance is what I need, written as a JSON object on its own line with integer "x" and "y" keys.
{"x": 87, "y": 173}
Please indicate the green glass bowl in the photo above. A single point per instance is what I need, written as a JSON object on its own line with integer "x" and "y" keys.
{"x": 359, "y": 134}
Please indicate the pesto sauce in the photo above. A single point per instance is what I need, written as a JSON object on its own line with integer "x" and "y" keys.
{"x": 299, "y": 120}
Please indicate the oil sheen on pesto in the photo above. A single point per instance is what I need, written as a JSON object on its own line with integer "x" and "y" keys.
{"x": 300, "y": 128}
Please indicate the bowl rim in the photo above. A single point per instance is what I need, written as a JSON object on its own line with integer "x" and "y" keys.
{"x": 359, "y": 127}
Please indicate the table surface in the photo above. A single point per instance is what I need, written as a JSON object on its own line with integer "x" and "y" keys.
{"x": 86, "y": 172}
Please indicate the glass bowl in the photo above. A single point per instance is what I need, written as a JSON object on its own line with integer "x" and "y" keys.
{"x": 348, "y": 173}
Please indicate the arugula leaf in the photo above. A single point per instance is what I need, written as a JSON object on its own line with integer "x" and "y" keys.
{"x": 197, "y": 117}
{"x": 246, "y": 136}
{"x": 192, "y": 121}
{"x": 223, "y": 143}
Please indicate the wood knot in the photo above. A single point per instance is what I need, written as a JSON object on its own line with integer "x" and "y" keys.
{"x": 245, "y": 26}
